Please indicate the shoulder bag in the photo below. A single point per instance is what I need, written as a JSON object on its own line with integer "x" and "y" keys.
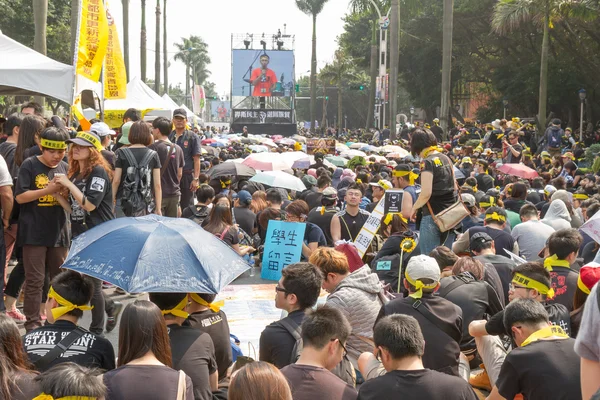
{"x": 181, "y": 386}
{"x": 43, "y": 363}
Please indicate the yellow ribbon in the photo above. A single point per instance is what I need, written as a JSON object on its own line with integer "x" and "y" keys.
{"x": 225, "y": 183}
{"x": 390, "y": 216}
{"x": 555, "y": 262}
{"x": 552, "y": 330}
{"x": 65, "y": 305}
{"x": 92, "y": 139}
{"x": 45, "y": 396}
{"x": 384, "y": 185}
{"x": 411, "y": 176}
{"x": 53, "y": 144}
{"x": 216, "y": 306}
{"x": 419, "y": 286}
{"x": 178, "y": 309}
{"x": 582, "y": 286}
{"x": 430, "y": 150}
{"x": 359, "y": 181}
{"x": 496, "y": 217}
{"x": 580, "y": 196}
{"x": 533, "y": 284}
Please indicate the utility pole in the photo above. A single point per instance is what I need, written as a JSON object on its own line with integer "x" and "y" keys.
{"x": 394, "y": 54}
{"x": 446, "y": 63}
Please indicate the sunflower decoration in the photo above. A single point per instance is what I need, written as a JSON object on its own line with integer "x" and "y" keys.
{"x": 408, "y": 245}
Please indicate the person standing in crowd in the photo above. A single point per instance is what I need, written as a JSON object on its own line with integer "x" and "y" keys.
{"x": 438, "y": 189}
{"x": 206, "y": 316}
{"x": 322, "y": 216}
{"x": 400, "y": 346}
{"x": 70, "y": 381}
{"x": 69, "y": 295}
{"x": 32, "y": 108}
{"x": 29, "y": 131}
{"x": 171, "y": 171}
{"x": 296, "y": 292}
{"x": 259, "y": 381}
{"x": 44, "y": 250}
{"x": 147, "y": 174}
{"x": 563, "y": 246}
{"x": 297, "y": 211}
{"x": 145, "y": 356}
{"x": 105, "y": 134}
{"x": 324, "y": 333}
{"x": 6, "y": 206}
{"x": 346, "y": 224}
{"x": 192, "y": 351}
{"x": 512, "y": 151}
{"x": 531, "y": 235}
{"x": 131, "y": 115}
{"x": 89, "y": 204}
{"x": 190, "y": 144}
{"x": 544, "y": 351}
{"x": 356, "y": 294}
{"x": 244, "y": 217}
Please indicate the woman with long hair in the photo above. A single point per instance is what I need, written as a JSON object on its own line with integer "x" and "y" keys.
{"x": 16, "y": 374}
{"x": 259, "y": 381}
{"x": 259, "y": 201}
{"x": 29, "y": 135}
{"x": 297, "y": 211}
{"x": 145, "y": 357}
{"x": 220, "y": 223}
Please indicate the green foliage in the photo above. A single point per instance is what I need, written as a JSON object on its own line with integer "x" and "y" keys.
{"x": 356, "y": 161}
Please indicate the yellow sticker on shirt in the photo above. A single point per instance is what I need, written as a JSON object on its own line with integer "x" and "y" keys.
{"x": 41, "y": 182}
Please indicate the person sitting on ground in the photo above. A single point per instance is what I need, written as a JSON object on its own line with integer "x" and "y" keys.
{"x": 495, "y": 221}
{"x": 472, "y": 219}
{"x": 445, "y": 258}
{"x": 356, "y": 294}
{"x": 199, "y": 212}
{"x": 545, "y": 365}
{"x": 259, "y": 381}
{"x": 346, "y": 224}
{"x": 321, "y": 216}
{"x": 68, "y": 296}
{"x": 324, "y": 333}
{"x": 313, "y": 199}
{"x": 297, "y": 211}
{"x": 400, "y": 346}
{"x": 557, "y": 216}
{"x": 297, "y": 291}
{"x": 192, "y": 351}
{"x": 206, "y": 316}
{"x": 70, "y": 381}
{"x": 563, "y": 246}
{"x": 589, "y": 275}
{"x": 220, "y": 224}
{"x": 531, "y": 234}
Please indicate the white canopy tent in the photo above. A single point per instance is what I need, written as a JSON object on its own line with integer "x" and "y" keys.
{"x": 139, "y": 96}
{"x": 25, "y": 72}
{"x": 170, "y": 101}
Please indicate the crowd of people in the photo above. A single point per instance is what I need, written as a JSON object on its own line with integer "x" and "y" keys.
{"x": 501, "y": 303}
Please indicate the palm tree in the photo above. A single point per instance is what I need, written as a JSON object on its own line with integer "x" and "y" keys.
{"x": 193, "y": 52}
{"x": 165, "y": 56}
{"x": 446, "y": 63}
{"x": 126, "y": 35}
{"x": 337, "y": 73}
{"x": 40, "y": 16}
{"x": 157, "y": 50}
{"x": 143, "y": 43}
{"x": 312, "y": 8}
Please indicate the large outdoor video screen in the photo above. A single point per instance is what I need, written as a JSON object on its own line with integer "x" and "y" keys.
{"x": 220, "y": 110}
{"x": 263, "y": 73}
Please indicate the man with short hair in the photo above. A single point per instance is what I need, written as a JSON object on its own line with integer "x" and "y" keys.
{"x": 378, "y": 189}
{"x": 192, "y": 350}
{"x": 531, "y": 235}
{"x": 172, "y": 162}
{"x": 545, "y": 365}
{"x": 105, "y": 134}
{"x": 484, "y": 180}
{"x": 511, "y": 149}
{"x": 494, "y": 223}
{"x": 32, "y": 108}
{"x": 199, "y": 212}
{"x": 346, "y": 224}
{"x": 321, "y": 216}
{"x": 296, "y": 291}
{"x": 313, "y": 199}
{"x": 324, "y": 333}
{"x": 190, "y": 144}
{"x": 552, "y": 139}
{"x": 69, "y": 295}
{"x": 563, "y": 245}
{"x": 244, "y": 217}
{"x": 400, "y": 346}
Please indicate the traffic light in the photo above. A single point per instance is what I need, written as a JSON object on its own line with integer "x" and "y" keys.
{"x": 215, "y": 98}
{"x": 361, "y": 87}
{"x": 297, "y": 87}
{"x": 326, "y": 97}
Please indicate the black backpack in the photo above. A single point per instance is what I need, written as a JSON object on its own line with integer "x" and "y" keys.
{"x": 296, "y": 332}
{"x": 199, "y": 215}
{"x": 136, "y": 198}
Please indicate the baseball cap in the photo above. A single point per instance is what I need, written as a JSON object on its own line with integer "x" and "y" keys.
{"x": 467, "y": 160}
{"x": 545, "y": 154}
{"x": 244, "y": 196}
{"x": 384, "y": 184}
{"x": 330, "y": 193}
{"x": 468, "y": 199}
{"x": 179, "y": 112}
{"x": 589, "y": 275}
{"x": 124, "y": 139}
{"x": 86, "y": 139}
{"x": 549, "y": 190}
{"x": 101, "y": 129}
{"x": 568, "y": 155}
{"x": 422, "y": 267}
{"x": 478, "y": 240}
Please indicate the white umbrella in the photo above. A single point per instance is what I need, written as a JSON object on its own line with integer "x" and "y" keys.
{"x": 353, "y": 153}
{"x": 299, "y": 138}
{"x": 286, "y": 141}
{"x": 258, "y": 148}
{"x": 267, "y": 142}
{"x": 358, "y": 145}
{"x": 279, "y": 179}
{"x": 236, "y": 160}
{"x": 341, "y": 147}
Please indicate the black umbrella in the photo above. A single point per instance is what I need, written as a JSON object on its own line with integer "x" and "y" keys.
{"x": 231, "y": 168}
{"x": 211, "y": 150}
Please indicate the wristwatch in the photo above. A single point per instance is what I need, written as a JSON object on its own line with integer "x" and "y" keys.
{"x": 195, "y": 179}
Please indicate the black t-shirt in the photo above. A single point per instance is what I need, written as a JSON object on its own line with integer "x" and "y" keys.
{"x": 196, "y": 213}
{"x": 138, "y": 153}
{"x": 193, "y": 353}
{"x": 564, "y": 283}
{"x": 245, "y": 218}
{"x": 514, "y": 204}
{"x": 97, "y": 189}
{"x": 168, "y": 180}
{"x": 148, "y": 382}
{"x": 504, "y": 268}
{"x": 418, "y": 384}
{"x": 323, "y": 221}
{"x": 43, "y": 221}
{"x": 545, "y": 369}
{"x": 484, "y": 182}
{"x": 276, "y": 343}
{"x": 558, "y": 315}
{"x": 442, "y": 351}
{"x": 351, "y": 225}
{"x": 502, "y": 240}
{"x": 109, "y": 156}
{"x": 308, "y": 382}
{"x": 7, "y": 151}
{"x": 313, "y": 199}
{"x": 442, "y": 194}
{"x": 215, "y": 324}
{"x": 189, "y": 143}
{"x": 510, "y": 158}
{"x": 89, "y": 350}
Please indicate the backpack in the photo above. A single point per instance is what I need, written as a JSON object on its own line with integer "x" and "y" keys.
{"x": 198, "y": 216}
{"x": 136, "y": 198}
{"x": 555, "y": 139}
{"x": 296, "y": 332}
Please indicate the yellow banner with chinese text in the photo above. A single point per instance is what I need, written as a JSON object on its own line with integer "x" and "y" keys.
{"x": 93, "y": 38}
{"x": 115, "y": 75}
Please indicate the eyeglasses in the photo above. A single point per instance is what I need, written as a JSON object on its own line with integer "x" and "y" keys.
{"x": 512, "y": 286}
{"x": 345, "y": 353}
{"x": 280, "y": 289}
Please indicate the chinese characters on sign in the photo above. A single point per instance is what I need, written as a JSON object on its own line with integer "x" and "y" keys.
{"x": 262, "y": 117}
{"x": 115, "y": 79}
{"x": 369, "y": 229}
{"x": 283, "y": 246}
{"x": 93, "y": 38}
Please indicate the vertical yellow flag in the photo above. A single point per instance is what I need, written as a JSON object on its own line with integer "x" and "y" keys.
{"x": 93, "y": 38}
{"x": 115, "y": 76}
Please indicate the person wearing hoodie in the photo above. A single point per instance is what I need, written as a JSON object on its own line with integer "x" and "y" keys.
{"x": 356, "y": 294}
{"x": 337, "y": 177}
{"x": 557, "y": 216}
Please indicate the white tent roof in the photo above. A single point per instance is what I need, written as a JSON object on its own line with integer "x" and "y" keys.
{"x": 170, "y": 101}
{"x": 189, "y": 112}
{"x": 139, "y": 96}
{"x": 24, "y": 72}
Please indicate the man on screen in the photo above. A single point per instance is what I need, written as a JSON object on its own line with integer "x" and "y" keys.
{"x": 263, "y": 79}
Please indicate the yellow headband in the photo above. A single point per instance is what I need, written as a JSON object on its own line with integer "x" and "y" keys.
{"x": 53, "y": 144}
{"x": 45, "y": 396}
{"x": 65, "y": 305}
{"x": 533, "y": 284}
{"x": 496, "y": 217}
{"x": 582, "y": 286}
{"x": 178, "y": 309}
{"x": 555, "y": 262}
{"x": 92, "y": 139}
{"x": 490, "y": 204}
{"x": 419, "y": 286}
{"x": 225, "y": 183}
{"x": 580, "y": 196}
{"x": 216, "y": 306}
{"x": 388, "y": 218}
{"x": 411, "y": 176}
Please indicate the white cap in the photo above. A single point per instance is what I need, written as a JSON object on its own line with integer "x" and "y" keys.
{"x": 384, "y": 184}
{"x": 423, "y": 267}
{"x": 101, "y": 129}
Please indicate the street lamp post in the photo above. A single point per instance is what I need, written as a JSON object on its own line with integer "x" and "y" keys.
{"x": 384, "y": 23}
{"x": 412, "y": 112}
{"x": 345, "y": 121}
{"x": 505, "y": 104}
{"x": 582, "y": 96}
